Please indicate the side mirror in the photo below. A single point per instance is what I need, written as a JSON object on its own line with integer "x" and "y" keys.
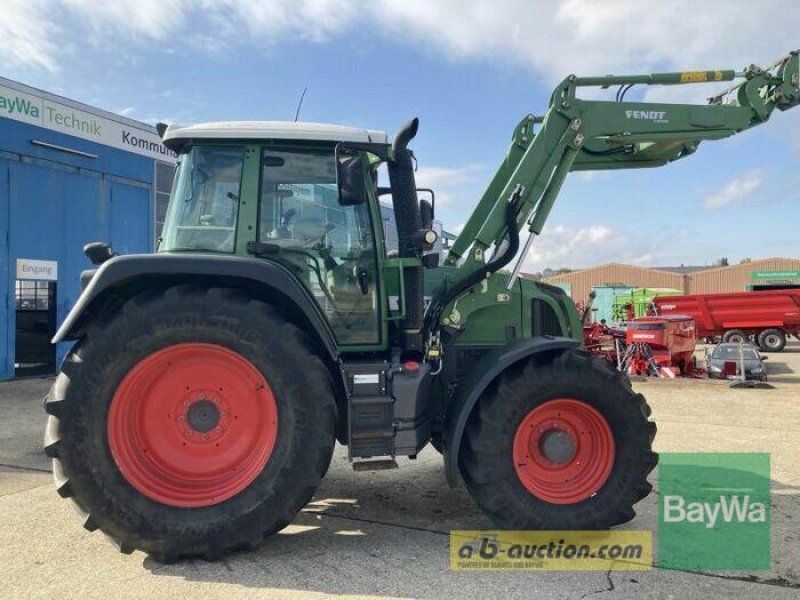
{"x": 350, "y": 176}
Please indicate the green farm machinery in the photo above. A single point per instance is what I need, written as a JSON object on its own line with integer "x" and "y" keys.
{"x": 208, "y": 383}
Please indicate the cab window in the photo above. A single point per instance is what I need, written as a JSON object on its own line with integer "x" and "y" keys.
{"x": 204, "y": 203}
{"x": 329, "y": 247}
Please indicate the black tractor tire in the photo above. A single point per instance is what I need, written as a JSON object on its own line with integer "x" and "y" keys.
{"x": 78, "y": 435}
{"x": 487, "y": 458}
{"x": 437, "y": 442}
{"x": 772, "y": 340}
{"x": 733, "y": 336}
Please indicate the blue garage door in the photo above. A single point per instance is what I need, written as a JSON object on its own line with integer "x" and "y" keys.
{"x": 54, "y": 210}
{"x": 130, "y": 225}
{"x": 7, "y": 302}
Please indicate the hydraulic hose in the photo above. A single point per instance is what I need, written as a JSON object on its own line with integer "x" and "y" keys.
{"x": 443, "y": 297}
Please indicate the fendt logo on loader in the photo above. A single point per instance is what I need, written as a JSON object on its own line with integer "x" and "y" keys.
{"x": 656, "y": 116}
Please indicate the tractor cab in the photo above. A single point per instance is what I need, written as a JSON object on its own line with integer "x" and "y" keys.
{"x": 301, "y": 195}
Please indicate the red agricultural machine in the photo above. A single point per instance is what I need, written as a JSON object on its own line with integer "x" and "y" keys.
{"x": 647, "y": 346}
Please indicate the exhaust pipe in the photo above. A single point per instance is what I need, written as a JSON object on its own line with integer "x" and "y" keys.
{"x": 409, "y": 223}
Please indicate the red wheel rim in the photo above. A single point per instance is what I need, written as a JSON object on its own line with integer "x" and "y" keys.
{"x": 192, "y": 425}
{"x": 563, "y": 451}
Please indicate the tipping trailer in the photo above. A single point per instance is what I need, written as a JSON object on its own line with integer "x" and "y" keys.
{"x": 198, "y": 408}
{"x": 767, "y": 317}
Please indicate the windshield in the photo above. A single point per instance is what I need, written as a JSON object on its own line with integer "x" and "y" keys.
{"x": 204, "y": 202}
{"x": 732, "y": 353}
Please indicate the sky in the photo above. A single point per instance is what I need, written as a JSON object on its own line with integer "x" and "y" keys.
{"x": 470, "y": 71}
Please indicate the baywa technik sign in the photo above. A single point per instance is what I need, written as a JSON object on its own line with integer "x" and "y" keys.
{"x": 46, "y": 113}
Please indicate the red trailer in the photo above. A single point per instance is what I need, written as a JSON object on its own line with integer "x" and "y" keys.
{"x": 768, "y": 317}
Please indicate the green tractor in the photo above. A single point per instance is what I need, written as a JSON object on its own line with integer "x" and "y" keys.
{"x": 208, "y": 383}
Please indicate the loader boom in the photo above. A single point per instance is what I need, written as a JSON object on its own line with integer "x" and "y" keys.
{"x": 582, "y": 135}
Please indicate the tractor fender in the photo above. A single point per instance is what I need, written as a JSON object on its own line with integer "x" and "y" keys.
{"x": 486, "y": 370}
{"x": 124, "y": 277}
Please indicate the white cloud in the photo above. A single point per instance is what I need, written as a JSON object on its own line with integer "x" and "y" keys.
{"x": 549, "y": 37}
{"x": 736, "y": 190}
{"x": 28, "y": 34}
{"x": 450, "y": 183}
{"x": 578, "y": 247}
{"x": 140, "y": 20}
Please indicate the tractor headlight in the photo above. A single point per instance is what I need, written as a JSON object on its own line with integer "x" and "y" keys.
{"x": 757, "y": 370}
{"x": 715, "y": 369}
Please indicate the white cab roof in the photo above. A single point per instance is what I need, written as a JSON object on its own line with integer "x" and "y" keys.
{"x": 274, "y": 130}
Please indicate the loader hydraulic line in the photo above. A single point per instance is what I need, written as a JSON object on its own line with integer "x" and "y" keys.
{"x": 577, "y": 134}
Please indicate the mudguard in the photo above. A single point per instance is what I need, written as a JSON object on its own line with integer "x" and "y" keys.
{"x": 123, "y": 277}
{"x": 480, "y": 376}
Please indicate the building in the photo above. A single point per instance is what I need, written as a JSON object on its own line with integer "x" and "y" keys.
{"x": 69, "y": 174}
{"x": 691, "y": 280}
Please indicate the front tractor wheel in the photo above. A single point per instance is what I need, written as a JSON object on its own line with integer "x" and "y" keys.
{"x": 560, "y": 445}
{"x": 180, "y": 426}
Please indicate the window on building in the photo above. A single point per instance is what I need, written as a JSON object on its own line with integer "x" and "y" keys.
{"x": 165, "y": 173}
{"x": 32, "y": 295}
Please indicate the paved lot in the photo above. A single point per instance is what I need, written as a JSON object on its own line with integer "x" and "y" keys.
{"x": 384, "y": 534}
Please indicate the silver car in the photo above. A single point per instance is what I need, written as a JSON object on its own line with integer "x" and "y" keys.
{"x": 729, "y": 353}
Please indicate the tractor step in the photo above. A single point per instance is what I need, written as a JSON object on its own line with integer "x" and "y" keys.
{"x": 375, "y": 465}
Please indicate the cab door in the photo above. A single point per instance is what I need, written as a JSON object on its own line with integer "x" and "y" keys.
{"x": 329, "y": 247}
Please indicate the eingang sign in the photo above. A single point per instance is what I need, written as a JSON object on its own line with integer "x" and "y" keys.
{"x": 47, "y": 113}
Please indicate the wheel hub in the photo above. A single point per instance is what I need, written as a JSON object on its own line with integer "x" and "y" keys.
{"x": 202, "y": 416}
{"x": 557, "y": 446}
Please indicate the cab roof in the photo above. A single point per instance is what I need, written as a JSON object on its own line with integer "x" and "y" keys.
{"x": 175, "y": 136}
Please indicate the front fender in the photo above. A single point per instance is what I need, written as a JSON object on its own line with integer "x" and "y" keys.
{"x": 486, "y": 370}
{"x": 123, "y": 277}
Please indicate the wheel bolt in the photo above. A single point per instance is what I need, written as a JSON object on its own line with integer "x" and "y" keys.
{"x": 186, "y": 403}
{"x": 205, "y": 436}
{"x": 188, "y": 432}
{"x": 181, "y": 418}
{"x": 223, "y": 414}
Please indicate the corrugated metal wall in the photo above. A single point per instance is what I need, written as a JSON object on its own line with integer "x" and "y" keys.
{"x": 614, "y": 273}
{"x": 736, "y": 277}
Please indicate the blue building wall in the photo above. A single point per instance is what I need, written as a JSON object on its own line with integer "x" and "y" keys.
{"x": 53, "y": 202}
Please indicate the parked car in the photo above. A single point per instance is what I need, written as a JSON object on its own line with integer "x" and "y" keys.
{"x": 725, "y": 362}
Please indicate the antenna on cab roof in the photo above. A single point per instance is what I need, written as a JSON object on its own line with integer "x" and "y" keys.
{"x": 300, "y": 104}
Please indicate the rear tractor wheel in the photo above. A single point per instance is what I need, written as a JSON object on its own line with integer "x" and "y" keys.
{"x": 562, "y": 445}
{"x": 179, "y": 426}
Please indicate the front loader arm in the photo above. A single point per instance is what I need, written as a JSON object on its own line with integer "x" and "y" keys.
{"x": 581, "y": 135}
